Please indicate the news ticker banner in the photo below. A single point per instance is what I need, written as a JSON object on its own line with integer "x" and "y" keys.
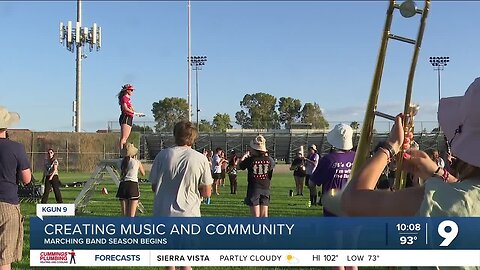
{"x": 124, "y": 258}
{"x": 107, "y": 241}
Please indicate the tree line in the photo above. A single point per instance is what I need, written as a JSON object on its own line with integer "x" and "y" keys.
{"x": 258, "y": 111}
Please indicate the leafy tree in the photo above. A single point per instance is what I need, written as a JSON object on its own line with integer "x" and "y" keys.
{"x": 258, "y": 111}
{"x": 311, "y": 113}
{"x": 169, "y": 111}
{"x": 142, "y": 129}
{"x": 289, "y": 110}
{"x": 221, "y": 122}
{"x": 243, "y": 119}
{"x": 205, "y": 126}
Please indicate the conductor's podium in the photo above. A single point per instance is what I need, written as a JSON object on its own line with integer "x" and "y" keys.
{"x": 110, "y": 166}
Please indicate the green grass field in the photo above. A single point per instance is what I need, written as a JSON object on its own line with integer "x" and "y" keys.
{"x": 224, "y": 204}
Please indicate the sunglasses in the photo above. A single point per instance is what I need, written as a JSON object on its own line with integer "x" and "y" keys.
{"x": 50, "y": 152}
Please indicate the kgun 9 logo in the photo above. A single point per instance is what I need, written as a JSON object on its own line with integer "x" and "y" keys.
{"x": 447, "y": 229}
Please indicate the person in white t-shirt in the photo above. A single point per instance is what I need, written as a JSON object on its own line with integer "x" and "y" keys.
{"x": 217, "y": 162}
{"x": 128, "y": 192}
{"x": 180, "y": 176}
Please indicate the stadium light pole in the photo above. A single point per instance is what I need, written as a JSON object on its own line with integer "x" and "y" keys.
{"x": 197, "y": 62}
{"x": 76, "y": 38}
{"x": 439, "y": 63}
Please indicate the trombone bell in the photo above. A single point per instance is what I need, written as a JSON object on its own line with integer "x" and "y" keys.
{"x": 408, "y": 9}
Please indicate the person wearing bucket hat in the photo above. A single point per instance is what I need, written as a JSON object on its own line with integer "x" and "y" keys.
{"x": 127, "y": 112}
{"x": 14, "y": 165}
{"x": 128, "y": 192}
{"x": 259, "y": 167}
{"x": 311, "y": 162}
{"x": 333, "y": 170}
{"x": 443, "y": 194}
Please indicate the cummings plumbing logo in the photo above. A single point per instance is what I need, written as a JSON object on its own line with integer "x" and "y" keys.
{"x": 54, "y": 257}
{"x": 72, "y": 257}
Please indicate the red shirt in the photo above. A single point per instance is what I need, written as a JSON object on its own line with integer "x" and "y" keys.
{"x": 126, "y": 100}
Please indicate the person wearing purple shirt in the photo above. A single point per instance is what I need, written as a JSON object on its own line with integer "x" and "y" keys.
{"x": 333, "y": 170}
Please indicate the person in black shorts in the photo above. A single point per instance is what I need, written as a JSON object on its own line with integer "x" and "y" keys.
{"x": 299, "y": 172}
{"x": 126, "y": 117}
{"x": 217, "y": 162}
{"x": 128, "y": 191}
{"x": 259, "y": 167}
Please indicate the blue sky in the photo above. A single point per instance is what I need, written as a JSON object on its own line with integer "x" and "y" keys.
{"x": 316, "y": 51}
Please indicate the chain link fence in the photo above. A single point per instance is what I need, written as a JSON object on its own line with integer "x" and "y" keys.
{"x": 83, "y": 151}
{"x": 75, "y": 151}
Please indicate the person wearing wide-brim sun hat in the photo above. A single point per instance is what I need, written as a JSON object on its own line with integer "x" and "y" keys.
{"x": 14, "y": 163}
{"x": 333, "y": 170}
{"x": 445, "y": 193}
{"x": 259, "y": 166}
{"x": 128, "y": 192}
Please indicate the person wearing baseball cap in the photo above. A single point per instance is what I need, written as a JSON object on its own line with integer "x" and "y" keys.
{"x": 127, "y": 112}
{"x": 445, "y": 193}
{"x": 15, "y": 165}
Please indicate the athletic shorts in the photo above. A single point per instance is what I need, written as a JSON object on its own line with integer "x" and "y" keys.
{"x": 217, "y": 176}
{"x": 11, "y": 233}
{"x": 258, "y": 197}
{"x": 128, "y": 190}
{"x": 125, "y": 119}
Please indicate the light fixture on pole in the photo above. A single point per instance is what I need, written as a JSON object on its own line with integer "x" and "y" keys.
{"x": 76, "y": 36}
{"x": 439, "y": 63}
{"x": 197, "y": 62}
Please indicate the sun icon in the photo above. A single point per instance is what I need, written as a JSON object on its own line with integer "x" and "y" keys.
{"x": 292, "y": 259}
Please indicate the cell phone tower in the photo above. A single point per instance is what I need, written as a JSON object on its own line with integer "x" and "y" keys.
{"x": 76, "y": 37}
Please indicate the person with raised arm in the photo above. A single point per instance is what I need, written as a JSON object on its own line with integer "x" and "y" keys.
{"x": 127, "y": 113}
{"x": 445, "y": 193}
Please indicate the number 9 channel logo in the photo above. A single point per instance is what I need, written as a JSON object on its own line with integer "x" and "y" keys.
{"x": 447, "y": 229}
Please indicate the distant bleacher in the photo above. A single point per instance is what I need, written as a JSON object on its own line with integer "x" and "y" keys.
{"x": 281, "y": 144}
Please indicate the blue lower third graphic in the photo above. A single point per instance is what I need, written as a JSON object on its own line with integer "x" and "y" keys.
{"x": 147, "y": 233}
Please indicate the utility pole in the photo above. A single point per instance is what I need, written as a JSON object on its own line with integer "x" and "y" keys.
{"x": 76, "y": 38}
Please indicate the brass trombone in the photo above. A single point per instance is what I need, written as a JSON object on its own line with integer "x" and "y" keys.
{"x": 407, "y": 9}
